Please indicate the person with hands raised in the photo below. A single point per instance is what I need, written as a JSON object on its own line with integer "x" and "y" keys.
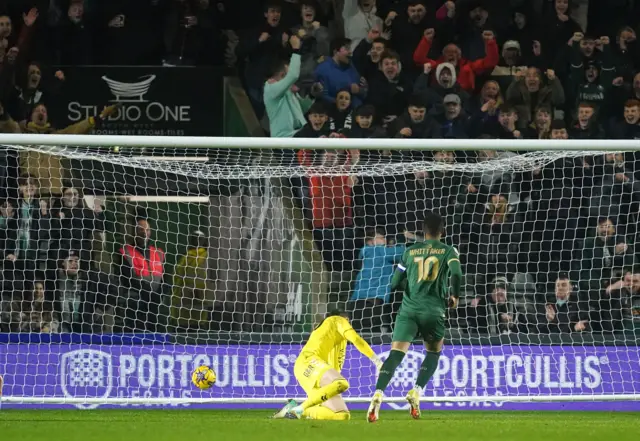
{"x": 283, "y": 104}
{"x": 466, "y": 70}
{"x": 592, "y": 81}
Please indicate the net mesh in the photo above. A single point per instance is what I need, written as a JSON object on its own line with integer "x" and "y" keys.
{"x": 124, "y": 269}
{"x": 238, "y": 164}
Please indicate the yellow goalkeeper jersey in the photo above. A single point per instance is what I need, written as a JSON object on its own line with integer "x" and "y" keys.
{"x": 328, "y": 342}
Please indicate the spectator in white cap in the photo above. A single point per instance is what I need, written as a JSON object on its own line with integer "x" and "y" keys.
{"x": 510, "y": 64}
{"x": 453, "y": 122}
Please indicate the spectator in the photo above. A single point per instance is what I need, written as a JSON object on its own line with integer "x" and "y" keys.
{"x": 466, "y": 70}
{"x": 315, "y": 45}
{"x": 445, "y": 84}
{"x": 140, "y": 266}
{"x": 33, "y": 225}
{"x": 332, "y": 207}
{"x": 341, "y": 117}
{"x": 615, "y": 191}
{"x": 496, "y": 239}
{"x": 366, "y": 56}
{"x": 359, "y": 18}
{"x": 602, "y": 255}
{"x": 371, "y": 290}
{"x": 364, "y": 125}
{"x": 389, "y": 88}
{"x": 189, "y": 302}
{"x": 540, "y": 128}
{"x": 525, "y": 31}
{"x": 283, "y": 104}
{"x": 82, "y": 296}
{"x": 40, "y": 300}
{"x": 587, "y": 125}
{"x": 38, "y": 313}
{"x": 73, "y": 37}
{"x": 12, "y": 317}
{"x": 72, "y": 220}
{"x": 414, "y": 123}
{"x": 613, "y": 307}
{"x": 189, "y": 33}
{"x": 509, "y": 66}
{"x": 559, "y": 129}
{"x": 8, "y": 228}
{"x": 33, "y": 92}
{"x": 506, "y": 126}
{"x": 318, "y": 125}
{"x": 528, "y": 92}
{"x": 258, "y": 48}
{"x": 592, "y": 82}
{"x": 559, "y": 28}
{"x": 38, "y": 122}
{"x": 627, "y": 54}
{"x": 406, "y": 29}
{"x": 496, "y": 314}
{"x": 338, "y": 73}
{"x": 629, "y": 127}
{"x": 485, "y": 106}
{"x": 454, "y": 123}
{"x": 564, "y": 312}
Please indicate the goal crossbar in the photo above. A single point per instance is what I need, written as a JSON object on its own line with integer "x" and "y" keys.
{"x": 318, "y": 143}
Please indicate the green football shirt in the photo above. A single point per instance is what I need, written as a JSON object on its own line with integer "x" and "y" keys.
{"x": 426, "y": 270}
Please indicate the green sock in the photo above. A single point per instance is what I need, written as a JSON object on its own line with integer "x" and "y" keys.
{"x": 388, "y": 369}
{"x": 427, "y": 369}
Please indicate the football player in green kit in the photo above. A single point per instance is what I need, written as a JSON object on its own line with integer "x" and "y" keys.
{"x": 430, "y": 275}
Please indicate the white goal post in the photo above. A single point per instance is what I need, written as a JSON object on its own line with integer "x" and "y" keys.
{"x": 134, "y": 265}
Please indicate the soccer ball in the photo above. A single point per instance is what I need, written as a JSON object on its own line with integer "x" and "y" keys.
{"x": 203, "y": 377}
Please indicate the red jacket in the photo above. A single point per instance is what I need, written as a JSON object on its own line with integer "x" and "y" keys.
{"x": 331, "y": 199}
{"x": 467, "y": 70}
{"x": 145, "y": 269}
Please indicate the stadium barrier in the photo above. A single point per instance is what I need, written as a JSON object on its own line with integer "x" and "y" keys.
{"x": 252, "y": 376}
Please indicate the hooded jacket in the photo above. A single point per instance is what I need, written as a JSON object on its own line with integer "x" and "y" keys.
{"x": 434, "y": 94}
{"x": 466, "y": 70}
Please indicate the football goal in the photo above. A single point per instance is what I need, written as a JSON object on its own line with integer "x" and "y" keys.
{"x": 130, "y": 261}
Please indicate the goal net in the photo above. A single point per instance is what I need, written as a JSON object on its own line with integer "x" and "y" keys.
{"x": 126, "y": 268}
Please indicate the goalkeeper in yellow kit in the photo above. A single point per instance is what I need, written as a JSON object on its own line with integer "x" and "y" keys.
{"x": 318, "y": 367}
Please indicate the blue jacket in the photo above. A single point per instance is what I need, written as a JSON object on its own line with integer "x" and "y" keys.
{"x": 377, "y": 268}
{"x": 335, "y": 78}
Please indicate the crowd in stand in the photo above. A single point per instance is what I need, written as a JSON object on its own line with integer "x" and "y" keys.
{"x": 548, "y": 250}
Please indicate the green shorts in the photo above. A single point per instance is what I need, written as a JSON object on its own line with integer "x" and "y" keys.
{"x": 411, "y": 325}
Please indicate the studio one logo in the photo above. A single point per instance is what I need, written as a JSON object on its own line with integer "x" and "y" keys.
{"x": 140, "y": 102}
{"x": 86, "y": 373}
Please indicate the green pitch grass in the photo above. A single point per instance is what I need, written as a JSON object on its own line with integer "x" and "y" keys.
{"x": 195, "y": 425}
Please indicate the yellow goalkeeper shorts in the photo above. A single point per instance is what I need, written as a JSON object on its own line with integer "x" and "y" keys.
{"x": 308, "y": 370}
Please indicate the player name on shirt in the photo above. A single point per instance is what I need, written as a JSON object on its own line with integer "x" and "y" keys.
{"x": 428, "y": 250}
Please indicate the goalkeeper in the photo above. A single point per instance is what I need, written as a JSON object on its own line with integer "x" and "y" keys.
{"x": 318, "y": 367}
{"x": 422, "y": 274}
